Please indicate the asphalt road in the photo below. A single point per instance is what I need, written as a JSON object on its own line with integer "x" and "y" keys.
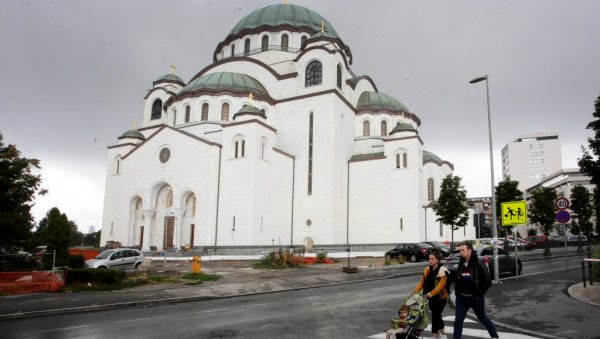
{"x": 532, "y": 306}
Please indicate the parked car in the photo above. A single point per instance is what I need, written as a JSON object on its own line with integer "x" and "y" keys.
{"x": 120, "y": 258}
{"x": 411, "y": 251}
{"x": 506, "y": 262}
{"x": 537, "y": 240}
{"x": 440, "y": 246}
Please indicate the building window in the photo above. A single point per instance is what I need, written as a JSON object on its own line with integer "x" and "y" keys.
{"x": 174, "y": 117}
{"x": 247, "y": 47}
{"x": 232, "y": 50}
{"x": 303, "y": 40}
{"x": 310, "y": 151}
{"x": 156, "y": 109}
{"x": 204, "y": 112}
{"x": 225, "y": 112}
{"x": 404, "y": 160}
{"x": 339, "y": 76}
{"x": 366, "y": 128}
{"x": 430, "y": 192}
{"x": 264, "y": 46}
{"x": 384, "y": 128}
{"x": 187, "y": 113}
{"x": 397, "y": 160}
{"x": 314, "y": 74}
{"x": 284, "y": 42}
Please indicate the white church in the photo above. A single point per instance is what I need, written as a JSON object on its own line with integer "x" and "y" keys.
{"x": 276, "y": 142}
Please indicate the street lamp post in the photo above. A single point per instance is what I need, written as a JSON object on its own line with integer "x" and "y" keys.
{"x": 494, "y": 230}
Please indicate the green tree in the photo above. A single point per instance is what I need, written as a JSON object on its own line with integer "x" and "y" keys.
{"x": 581, "y": 205}
{"x": 541, "y": 211}
{"x": 92, "y": 239}
{"x": 451, "y": 206}
{"x": 589, "y": 163}
{"x": 19, "y": 184}
{"x": 57, "y": 229}
{"x": 507, "y": 190}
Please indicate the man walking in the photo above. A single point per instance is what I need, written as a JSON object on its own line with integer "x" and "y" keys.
{"x": 472, "y": 281}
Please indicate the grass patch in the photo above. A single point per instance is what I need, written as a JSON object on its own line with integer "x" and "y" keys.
{"x": 199, "y": 278}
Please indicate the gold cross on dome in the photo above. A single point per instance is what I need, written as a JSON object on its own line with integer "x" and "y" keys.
{"x": 250, "y": 97}
{"x": 172, "y": 69}
{"x": 133, "y": 124}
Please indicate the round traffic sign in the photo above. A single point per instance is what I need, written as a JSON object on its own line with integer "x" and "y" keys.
{"x": 563, "y": 217}
{"x": 562, "y": 203}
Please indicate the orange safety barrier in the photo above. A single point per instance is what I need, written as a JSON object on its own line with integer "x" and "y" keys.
{"x": 87, "y": 253}
{"x": 31, "y": 282}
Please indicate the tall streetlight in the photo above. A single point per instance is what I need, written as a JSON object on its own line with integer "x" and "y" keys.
{"x": 494, "y": 231}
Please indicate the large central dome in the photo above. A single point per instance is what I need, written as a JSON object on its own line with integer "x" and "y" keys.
{"x": 283, "y": 14}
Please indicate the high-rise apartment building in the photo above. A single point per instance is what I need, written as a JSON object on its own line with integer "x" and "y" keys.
{"x": 531, "y": 157}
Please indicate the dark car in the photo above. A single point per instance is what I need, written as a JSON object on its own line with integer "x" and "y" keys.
{"x": 440, "y": 246}
{"x": 506, "y": 262}
{"x": 411, "y": 251}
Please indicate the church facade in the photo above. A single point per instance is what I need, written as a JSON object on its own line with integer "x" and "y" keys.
{"x": 276, "y": 142}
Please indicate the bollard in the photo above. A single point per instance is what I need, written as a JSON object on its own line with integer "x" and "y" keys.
{"x": 196, "y": 264}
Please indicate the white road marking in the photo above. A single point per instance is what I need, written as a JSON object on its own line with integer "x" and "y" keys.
{"x": 138, "y": 319}
{"x": 57, "y": 329}
{"x": 213, "y": 310}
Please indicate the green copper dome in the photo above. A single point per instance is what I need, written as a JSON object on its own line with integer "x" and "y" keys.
{"x": 133, "y": 133}
{"x": 403, "y": 126}
{"x": 379, "y": 101}
{"x": 428, "y": 156}
{"x": 283, "y": 14}
{"x": 226, "y": 81}
{"x": 170, "y": 78}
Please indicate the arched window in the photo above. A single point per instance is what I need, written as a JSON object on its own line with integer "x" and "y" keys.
{"x": 397, "y": 160}
{"x": 247, "y": 47}
{"x": 174, "y": 117}
{"x": 239, "y": 146}
{"x": 366, "y": 128}
{"x": 187, "y": 113}
{"x": 204, "y": 112}
{"x": 303, "y": 40}
{"x": 232, "y": 50}
{"x": 384, "y": 128}
{"x": 117, "y": 165}
{"x": 339, "y": 76}
{"x": 284, "y": 42}
{"x": 264, "y": 46}
{"x": 225, "y": 112}
{"x": 156, "y": 109}
{"x": 263, "y": 148}
{"x": 404, "y": 160}
{"x": 314, "y": 74}
{"x": 430, "y": 192}
{"x": 401, "y": 158}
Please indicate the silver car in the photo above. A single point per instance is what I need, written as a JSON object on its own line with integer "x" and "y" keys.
{"x": 118, "y": 258}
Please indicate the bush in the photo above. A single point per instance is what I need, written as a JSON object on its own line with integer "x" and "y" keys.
{"x": 276, "y": 260}
{"x": 76, "y": 261}
{"x": 321, "y": 256}
{"x": 94, "y": 275}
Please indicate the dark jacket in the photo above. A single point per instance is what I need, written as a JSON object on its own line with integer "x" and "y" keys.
{"x": 480, "y": 276}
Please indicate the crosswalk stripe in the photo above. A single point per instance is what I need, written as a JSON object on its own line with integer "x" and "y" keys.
{"x": 467, "y": 331}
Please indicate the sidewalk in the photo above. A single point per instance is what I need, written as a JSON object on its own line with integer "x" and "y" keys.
{"x": 237, "y": 279}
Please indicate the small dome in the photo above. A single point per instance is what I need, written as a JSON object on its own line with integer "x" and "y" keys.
{"x": 283, "y": 15}
{"x": 428, "y": 156}
{"x": 226, "y": 81}
{"x": 170, "y": 78}
{"x": 379, "y": 101}
{"x": 134, "y": 134}
{"x": 250, "y": 110}
{"x": 403, "y": 126}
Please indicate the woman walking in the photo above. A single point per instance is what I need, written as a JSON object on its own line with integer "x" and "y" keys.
{"x": 433, "y": 284}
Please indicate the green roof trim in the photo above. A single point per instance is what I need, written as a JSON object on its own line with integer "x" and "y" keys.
{"x": 284, "y": 14}
{"x": 379, "y": 101}
{"x": 226, "y": 81}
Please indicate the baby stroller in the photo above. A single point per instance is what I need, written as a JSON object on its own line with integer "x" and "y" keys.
{"x": 416, "y": 321}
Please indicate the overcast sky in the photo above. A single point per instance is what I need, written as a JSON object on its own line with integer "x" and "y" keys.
{"x": 74, "y": 74}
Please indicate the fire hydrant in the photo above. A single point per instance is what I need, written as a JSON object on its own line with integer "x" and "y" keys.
{"x": 196, "y": 264}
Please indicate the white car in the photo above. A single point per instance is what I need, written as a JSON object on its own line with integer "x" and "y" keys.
{"x": 118, "y": 258}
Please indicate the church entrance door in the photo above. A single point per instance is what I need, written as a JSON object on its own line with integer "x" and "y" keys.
{"x": 169, "y": 232}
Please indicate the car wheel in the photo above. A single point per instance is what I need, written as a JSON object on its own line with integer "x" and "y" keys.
{"x": 138, "y": 266}
{"x": 413, "y": 258}
{"x": 101, "y": 267}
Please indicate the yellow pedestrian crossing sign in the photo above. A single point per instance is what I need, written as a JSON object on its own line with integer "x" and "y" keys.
{"x": 514, "y": 213}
